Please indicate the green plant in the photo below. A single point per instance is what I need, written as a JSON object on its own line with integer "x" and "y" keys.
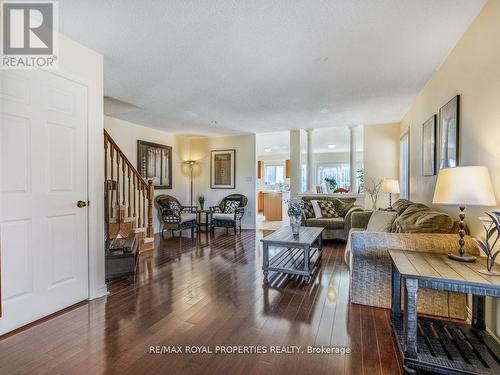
{"x": 360, "y": 175}
{"x": 201, "y": 200}
{"x": 332, "y": 182}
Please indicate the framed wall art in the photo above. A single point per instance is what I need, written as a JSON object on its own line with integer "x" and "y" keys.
{"x": 154, "y": 162}
{"x": 222, "y": 169}
{"x": 429, "y": 146}
{"x": 449, "y": 126}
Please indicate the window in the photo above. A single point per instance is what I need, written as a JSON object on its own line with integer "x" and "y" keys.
{"x": 274, "y": 173}
{"x": 303, "y": 179}
{"x": 404, "y": 166}
{"x": 340, "y": 172}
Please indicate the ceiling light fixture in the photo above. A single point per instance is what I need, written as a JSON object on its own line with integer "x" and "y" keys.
{"x": 267, "y": 149}
{"x": 213, "y": 122}
{"x": 324, "y": 110}
{"x": 331, "y": 145}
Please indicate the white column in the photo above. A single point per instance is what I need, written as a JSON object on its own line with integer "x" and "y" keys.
{"x": 310, "y": 175}
{"x": 352, "y": 159}
{"x": 295, "y": 170}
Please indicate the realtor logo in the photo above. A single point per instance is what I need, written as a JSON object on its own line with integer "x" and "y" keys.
{"x": 29, "y": 30}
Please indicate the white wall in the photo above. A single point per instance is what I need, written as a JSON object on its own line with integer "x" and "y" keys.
{"x": 246, "y": 171}
{"x": 381, "y": 157}
{"x": 472, "y": 70}
{"x": 86, "y": 65}
{"x": 126, "y": 135}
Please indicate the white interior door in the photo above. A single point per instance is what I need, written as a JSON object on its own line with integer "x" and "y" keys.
{"x": 43, "y": 173}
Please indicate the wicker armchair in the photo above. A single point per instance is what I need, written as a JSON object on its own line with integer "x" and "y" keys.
{"x": 225, "y": 216}
{"x": 174, "y": 216}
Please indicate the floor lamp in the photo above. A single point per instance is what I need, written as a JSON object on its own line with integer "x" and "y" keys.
{"x": 191, "y": 164}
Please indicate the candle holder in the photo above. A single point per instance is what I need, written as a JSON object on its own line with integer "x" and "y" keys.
{"x": 491, "y": 225}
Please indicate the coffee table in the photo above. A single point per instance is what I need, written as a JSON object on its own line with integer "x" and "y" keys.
{"x": 287, "y": 253}
{"x": 436, "y": 345}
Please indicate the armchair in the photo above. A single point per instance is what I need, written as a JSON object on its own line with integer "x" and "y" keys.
{"x": 228, "y": 213}
{"x": 174, "y": 216}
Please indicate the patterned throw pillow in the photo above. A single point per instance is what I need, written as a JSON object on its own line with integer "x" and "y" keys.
{"x": 174, "y": 207}
{"x": 328, "y": 209}
{"x": 343, "y": 205}
{"x": 231, "y": 207}
{"x": 308, "y": 210}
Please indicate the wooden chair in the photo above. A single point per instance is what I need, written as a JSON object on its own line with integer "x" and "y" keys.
{"x": 174, "y": 216}
{"x": 225, "y": 216}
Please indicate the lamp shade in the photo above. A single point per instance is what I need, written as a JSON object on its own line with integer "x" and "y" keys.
{"x": 469, "y": 186}
{"x": 390, "y": 186}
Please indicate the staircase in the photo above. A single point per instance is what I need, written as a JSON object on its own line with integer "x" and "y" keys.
{"x": 129, "y": 198}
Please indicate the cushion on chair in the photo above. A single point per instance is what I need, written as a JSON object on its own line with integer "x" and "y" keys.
{"x": 187, "y": 217}
{"x": 381, "y": 221}
{"x": 231, "y": 206}
{"x": 217, "y": 216}
{"x": 174, "y": 206}
{"x": 328, "y": 223}
{"x": 327, "y": 209}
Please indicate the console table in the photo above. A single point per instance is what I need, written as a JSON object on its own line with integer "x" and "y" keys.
{"x": 294, "y": 255}
{"x": 437, "y": 345}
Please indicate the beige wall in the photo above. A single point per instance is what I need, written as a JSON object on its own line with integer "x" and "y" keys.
{"x": 381, "y": 157}
{"x": 126, "y": 135}
{"x": 246, "y": 171}
{"x": 472, "y": 70}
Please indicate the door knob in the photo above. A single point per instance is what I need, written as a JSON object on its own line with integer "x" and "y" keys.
{"x": 81, "y": 204}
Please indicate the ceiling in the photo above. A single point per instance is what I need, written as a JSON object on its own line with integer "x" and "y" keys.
{"x": 279, "y": 142}
{"x": 233, "y": 67}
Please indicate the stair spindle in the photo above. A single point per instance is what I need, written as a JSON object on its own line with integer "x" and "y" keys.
{"x": 144, "y": 204}
{"x": 124, "y": 185}
{"x": 118, "y": 213}
{"x": 150, "y": 208}
{"x": 129, "y": 184}
{"x": 111, "y": 164}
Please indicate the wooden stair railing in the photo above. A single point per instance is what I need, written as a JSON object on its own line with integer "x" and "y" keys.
{"x": 131, "y": 198}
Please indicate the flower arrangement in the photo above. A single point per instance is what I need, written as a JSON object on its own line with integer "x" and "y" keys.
{"x": 491, "y": 225}
{"x": 331, "y": 182}
{"x": 201, "y": 200}
{"x": 373, "y": 190}
{"x": 295, "y": 207}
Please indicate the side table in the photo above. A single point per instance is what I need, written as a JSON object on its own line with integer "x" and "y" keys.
{"x": 436, "y": 345}
{"x": 203, "y": 218}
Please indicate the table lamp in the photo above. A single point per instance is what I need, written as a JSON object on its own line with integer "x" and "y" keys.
{"x": 464, "y": 186}
{"x": 391, "y": 187}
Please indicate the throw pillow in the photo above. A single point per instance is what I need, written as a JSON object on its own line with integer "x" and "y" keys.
{"x": 327, "y": 209}
{"x": 174, "y": 208}
{"x": 342, "y": 206}
{"x": 316, "y": 209}
{"x": 419, "y": 218}
{"x": 231, "y": 207}
{"x": 308, "y": 209}
{"x": 381, "y": 221}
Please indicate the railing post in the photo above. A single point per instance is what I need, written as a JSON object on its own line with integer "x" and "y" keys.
{"x": 150, "y": 208}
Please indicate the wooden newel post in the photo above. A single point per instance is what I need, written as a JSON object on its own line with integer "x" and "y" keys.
{"x": 150, "y": 208}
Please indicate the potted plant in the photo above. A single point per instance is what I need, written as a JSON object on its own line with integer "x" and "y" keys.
{"x": 201, "y": 201}
{"x": 332, "y": 183}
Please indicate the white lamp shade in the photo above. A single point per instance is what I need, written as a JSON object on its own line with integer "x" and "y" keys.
{"x": 390, "y": 186}
{"x": 469, "y": 186}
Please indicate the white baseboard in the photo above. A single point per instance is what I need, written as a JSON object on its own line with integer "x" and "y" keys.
{"x": 100, "y": 292}
{"x": 247, "y": 226}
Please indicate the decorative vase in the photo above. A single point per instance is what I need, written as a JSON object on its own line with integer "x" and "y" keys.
{"x": 201, "y": 206}
{"x": 295, "y": 224}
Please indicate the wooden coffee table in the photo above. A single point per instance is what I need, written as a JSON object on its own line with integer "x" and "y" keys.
{"x": 296, "y": 255}
{"x": 436, "y": 345}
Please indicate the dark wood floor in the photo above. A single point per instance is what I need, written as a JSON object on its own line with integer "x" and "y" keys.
{"x": 209, "y": 292}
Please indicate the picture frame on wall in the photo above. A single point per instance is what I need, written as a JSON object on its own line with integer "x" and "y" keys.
{"x": 154, "y": 162}
{"x": 429, "y": 146}
{"x": 223, "y": 169}
{"x": 449, "y": 128}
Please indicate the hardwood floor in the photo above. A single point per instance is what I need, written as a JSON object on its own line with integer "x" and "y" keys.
{"x": 209, "y": 292}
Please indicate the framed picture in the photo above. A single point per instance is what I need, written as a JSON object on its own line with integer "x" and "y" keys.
{"x": 429, "y": 146}
{"x": 449, "y": 125}
{"x": 154, "y": 162}
{"x": 222, "y": 169}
